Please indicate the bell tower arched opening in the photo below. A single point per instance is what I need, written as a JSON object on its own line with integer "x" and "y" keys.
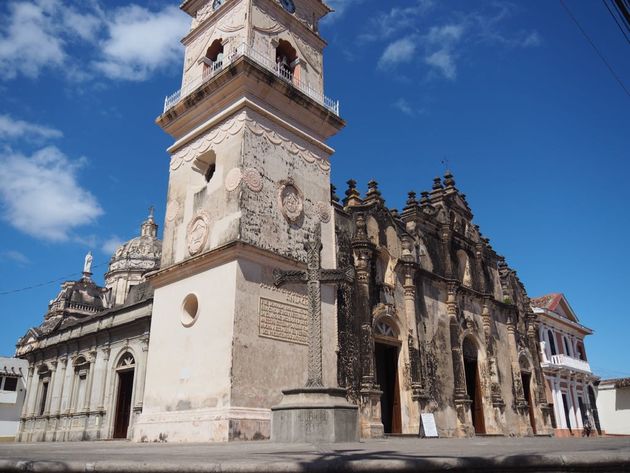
{"x": 213, "y": 61}
{"x": 473, "y": 384}
{"x": 287, "y": 61}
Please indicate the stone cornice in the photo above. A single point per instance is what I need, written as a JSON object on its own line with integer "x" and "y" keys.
{"x": 216, "y": 257}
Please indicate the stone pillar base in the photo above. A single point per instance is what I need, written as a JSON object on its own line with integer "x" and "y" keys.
{"x": 203, "y": 425}
{"x": 314, "y": 415}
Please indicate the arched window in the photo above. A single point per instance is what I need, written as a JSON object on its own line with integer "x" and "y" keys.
{"x": 206, "y": 164}
{"x": 44, "y": 381}
{"x": 567, "y": 346}
{"x": 81, "y": 369}
{"x": 552, "y": 343}
{"x": 464, "y": 271}
{"x": 214, "y": 58}
{"x": 287, "y": 61}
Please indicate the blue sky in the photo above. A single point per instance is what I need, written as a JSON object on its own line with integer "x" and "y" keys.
{"x": 532, "y": 123}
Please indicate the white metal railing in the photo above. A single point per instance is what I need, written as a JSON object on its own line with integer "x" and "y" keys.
{"x": 278, "y": 69}
{"x": 569, "y": 362}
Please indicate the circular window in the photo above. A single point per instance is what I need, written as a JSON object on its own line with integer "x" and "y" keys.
{"x": 190, "y": 310}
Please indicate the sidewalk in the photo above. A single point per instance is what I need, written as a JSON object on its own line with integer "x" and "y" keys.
{"x": 395, "y": 454}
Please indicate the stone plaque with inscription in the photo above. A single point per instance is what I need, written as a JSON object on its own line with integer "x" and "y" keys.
{"x": 283, "y": 315}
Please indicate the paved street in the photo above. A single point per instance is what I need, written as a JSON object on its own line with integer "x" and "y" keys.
{"x": 395, "y": 454}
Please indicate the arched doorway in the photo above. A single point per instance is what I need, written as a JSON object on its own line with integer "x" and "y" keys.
{"x": 473, "y": 384}
{"x": 386, "y": 351}
{"x": 124, "y": 372}
{"x": 526, "y": 380}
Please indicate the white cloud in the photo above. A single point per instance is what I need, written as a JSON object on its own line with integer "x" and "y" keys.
{"x": 41, "y": 194}
{"x": 532, "y": 39}
{"x": 81, "y": 40}
{"x": 402, "y": 105}
{"x": 446, "y": 35}
{"x": 385, "y": 24}
{"x": 141, "y": 42}
{"x": 15, "y": 256}
{"x": 111, "y": 244}
{"x": 28, "y": 40}
{"x": 11, "y": 129}
{"x": 443, "y": 61}
{"x": 398, "y": 52}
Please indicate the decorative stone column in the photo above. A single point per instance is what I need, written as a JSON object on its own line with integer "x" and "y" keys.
{"x": 27, "y": 410}
{"x": 419, "y": 393}
{"x": 370, "y": 395}
{"x": 495, "y": 387}
{"x": 460, "y": 396}
{"x": 101, "y": 412}
{"x": 90, "y": 381}
{"x": 141, "y": 366}
{"x": 517, "y": 383}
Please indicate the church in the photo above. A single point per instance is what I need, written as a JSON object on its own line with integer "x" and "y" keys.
{"x": 192, "y": 340}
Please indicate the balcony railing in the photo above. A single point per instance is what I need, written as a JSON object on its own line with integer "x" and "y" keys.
{"x": 565, "y": 361}
{"x": 262, "y": 60}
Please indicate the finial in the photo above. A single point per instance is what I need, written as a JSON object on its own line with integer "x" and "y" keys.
{"x": 425, "y": 198}
{"x": 448, "y": 179}
{"x": 352, "y": 194}
{"x": 333, "y": 193}
{"x": 373, "y": 188}
{"x": 411, "y": 199}
{"x": 151, "y": 211}
{"x": 394, "y": 213}
{"x": 437, "y": 183}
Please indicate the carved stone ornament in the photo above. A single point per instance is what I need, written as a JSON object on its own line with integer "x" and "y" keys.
{"x": 291, "y": 201}
{"x": 233, "y": 126}
{"x": 322, "y": 210}
{"x": 253, "y": 179}
{"x": 233, "y": 179}
{"x": 172, "y": 209}
{"x": 197, "y": 232}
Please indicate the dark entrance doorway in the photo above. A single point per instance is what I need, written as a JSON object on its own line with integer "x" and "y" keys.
{"x": 526, "y": 378}
{"x": 473, "y": 385}
{"x": 387, "y": 378}
{"x": 123, "y": 404}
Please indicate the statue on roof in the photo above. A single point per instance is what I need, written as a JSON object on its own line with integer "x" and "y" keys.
{"x": 87, "y": 265}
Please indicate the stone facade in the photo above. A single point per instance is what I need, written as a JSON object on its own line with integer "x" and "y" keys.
{"x": 435, "y": 324}
{"x": 436, "y": 321}
{"x": 87, "y": 360}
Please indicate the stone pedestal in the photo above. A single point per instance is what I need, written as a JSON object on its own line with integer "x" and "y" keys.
{"x": 314, "y": 415}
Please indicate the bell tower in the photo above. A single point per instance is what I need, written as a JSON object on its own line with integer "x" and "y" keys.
{"x": 249, "y": 183}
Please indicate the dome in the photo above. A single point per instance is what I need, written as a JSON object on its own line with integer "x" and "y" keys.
{"x": 140, "y": 254}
